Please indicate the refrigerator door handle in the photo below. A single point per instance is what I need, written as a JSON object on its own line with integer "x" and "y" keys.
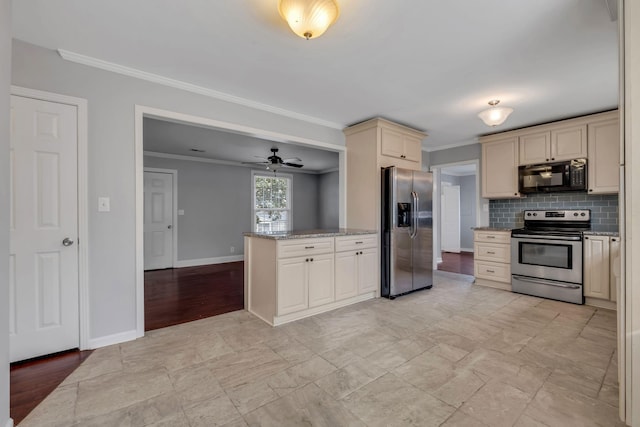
{"x": 414, "y": 214}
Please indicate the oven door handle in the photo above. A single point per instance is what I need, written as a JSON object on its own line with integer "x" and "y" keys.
{"x": 547, "y": 237}
{"x": 546, "y": 282}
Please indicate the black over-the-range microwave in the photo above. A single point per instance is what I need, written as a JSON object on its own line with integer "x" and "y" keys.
{"x": 568, "y": 175}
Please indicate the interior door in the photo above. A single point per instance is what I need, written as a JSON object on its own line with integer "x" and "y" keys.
{"x": 451, "y": 218}
{"x": 158, "y": 220}
{"x": 43, "y": 256}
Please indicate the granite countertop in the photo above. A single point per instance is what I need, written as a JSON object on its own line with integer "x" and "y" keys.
{"x": 491, "y": 229}
{"x": 305, "y": 234}
{"x": 601, "y": 233}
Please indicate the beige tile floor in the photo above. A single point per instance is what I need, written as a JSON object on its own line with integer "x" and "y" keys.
{"x": 456, "y": 355}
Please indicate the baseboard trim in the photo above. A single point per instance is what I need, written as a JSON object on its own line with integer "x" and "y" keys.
{"x": 9, "y": 423}
{"x": 466, "y": 250}
{"x": 112, "y": 339}
{"x": 600, "y": 303}
{"x": 207, "y": 261}
{"x": 439, "y": 260}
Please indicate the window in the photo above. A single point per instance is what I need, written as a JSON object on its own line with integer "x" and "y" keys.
{"x": 271, "y": 202}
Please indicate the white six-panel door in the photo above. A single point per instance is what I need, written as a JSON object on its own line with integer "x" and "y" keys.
{"x": 158, "y": 220}
{"x": 43, "y": 257}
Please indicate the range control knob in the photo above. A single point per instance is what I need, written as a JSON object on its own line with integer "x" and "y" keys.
{"x": 535, "y": 214}
{"x": 576, "y": 214}
{"x": 583, "y": 214}
{"x": 528, "y": 213}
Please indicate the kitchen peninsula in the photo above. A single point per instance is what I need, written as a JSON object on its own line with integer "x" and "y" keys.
{"x": 296, "y": 274}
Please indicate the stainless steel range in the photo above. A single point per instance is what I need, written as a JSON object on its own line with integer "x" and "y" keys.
{"x": 546, "y": 255}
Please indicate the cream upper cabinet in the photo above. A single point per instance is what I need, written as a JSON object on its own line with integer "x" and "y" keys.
{"x": 500, "y": 168}
{"x": 400, "y": 145}
{"x": 569, "y": 143}
{"x": 535, "y": 148}
{"x": 604, "y": 157}
{"x": 596, "y": 267}
{"x": 372, "y": 145}
{"x": 562, "y": 143}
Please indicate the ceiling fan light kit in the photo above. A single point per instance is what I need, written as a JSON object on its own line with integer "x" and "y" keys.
{"x": 495, "y": 115}
{"x": 309, "y": 18}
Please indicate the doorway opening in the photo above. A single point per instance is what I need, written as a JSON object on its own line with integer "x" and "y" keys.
{"x": 189, "y": 236}
{"x": 458, "y": 209}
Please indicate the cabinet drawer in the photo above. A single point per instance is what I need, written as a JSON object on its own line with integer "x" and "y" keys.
{"x": 493, "y": 236}
{"x": 492, "y": 252}
{"x": 349, "y": 243}
{"x": 493, "y": 271}
{"x": 304, "y": 247}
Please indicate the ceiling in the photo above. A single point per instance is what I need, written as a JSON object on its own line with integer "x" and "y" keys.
{"x": 459, "y": 170}
{"x": 179, "y": 139}
{"x": 432, "y": 65}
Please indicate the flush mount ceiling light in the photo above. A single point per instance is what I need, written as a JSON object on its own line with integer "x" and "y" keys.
{"x": 309, "y": 18}
{"x": 495, "y": 115}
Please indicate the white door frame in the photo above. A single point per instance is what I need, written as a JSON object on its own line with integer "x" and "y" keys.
{"x": 142, "y": 111}
{"x": 83, "y": 207}
{"x": 482, "y": 217}
{"x": 174, "y": 196}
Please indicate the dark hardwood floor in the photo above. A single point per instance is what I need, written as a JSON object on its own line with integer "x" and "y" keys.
{"x": 171, "y": 296}
{"x": 179, "y": 295}
{"x": 461, "y": 263}
{"x": 33, "y": 380}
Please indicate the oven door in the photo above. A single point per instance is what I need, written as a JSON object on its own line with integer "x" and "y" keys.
{"x": 547, "y": 257}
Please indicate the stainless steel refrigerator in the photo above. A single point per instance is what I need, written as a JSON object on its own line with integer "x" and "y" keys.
{"x": 407, "y": 231}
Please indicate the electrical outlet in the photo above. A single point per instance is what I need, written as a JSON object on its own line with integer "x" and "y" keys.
{"x": 180, "y": 211}
{"x": 232, "y": 249}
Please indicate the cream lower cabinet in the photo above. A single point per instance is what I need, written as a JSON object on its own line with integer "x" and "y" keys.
{"x": 305, "y": 282}
{"x": 356, "y": 266}
{"x": 492, "y": 258}
{"x": 290, "y": 279}
{"x": 601, "y": 270}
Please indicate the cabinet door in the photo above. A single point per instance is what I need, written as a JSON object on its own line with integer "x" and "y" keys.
{"x": 392, "y": 143}
{"x": 346, "y": 275}
{"x": 603, "y": 167}
{"x": 569, "y": 143}
{"x": 614, "y": 265}
{"x": 292, "y": 285}
{"x": 368, "y": 266}
{"x": 500, "y": 169}
{"x": 535, "y": 148}
{"x": 320, "y": 276}
{"x": 412, "y": 149}
{"x": 596, "y": 266}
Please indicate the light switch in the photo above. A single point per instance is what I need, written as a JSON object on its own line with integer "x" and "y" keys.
{"x": 104, "y": 204}
{"x": 180, "y": 211}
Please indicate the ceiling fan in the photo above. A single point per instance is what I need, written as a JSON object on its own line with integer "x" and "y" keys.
{"x": 275, "y": 162}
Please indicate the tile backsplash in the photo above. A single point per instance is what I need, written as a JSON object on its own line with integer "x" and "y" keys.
{"x": 604, "y": 208}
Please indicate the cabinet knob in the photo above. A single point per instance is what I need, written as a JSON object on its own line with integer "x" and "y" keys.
{"x": 586, "y": 237}
{"x": 547, "y": 160}
{"x": 311, "y": 259}
{"x": 591, "y": 189}
{"x": 515, "y": 194}
{"x": 553, "y": 158}
{"x": 306, "y": 260}
{"x": 614, "y": 240}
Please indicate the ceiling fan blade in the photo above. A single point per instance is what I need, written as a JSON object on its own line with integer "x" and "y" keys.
{"x": 292, "y": 159}
{"x": 293, "y": 165}
{"x": 256, "y": 163}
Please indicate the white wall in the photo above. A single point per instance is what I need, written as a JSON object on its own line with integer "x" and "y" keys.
{"x": 111, "y": 101}
{"x": 467, "y": 210}
{"x": 5, "y": 72}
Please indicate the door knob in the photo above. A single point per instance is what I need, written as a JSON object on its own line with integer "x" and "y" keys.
{"x": 67, "y": 242}
{"x": 169, "y": 227}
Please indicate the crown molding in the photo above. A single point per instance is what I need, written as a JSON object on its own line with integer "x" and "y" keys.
{"x": 220, "y": 162}
{"x": 200, "y": 90}
{"x": 446, "y": 147}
